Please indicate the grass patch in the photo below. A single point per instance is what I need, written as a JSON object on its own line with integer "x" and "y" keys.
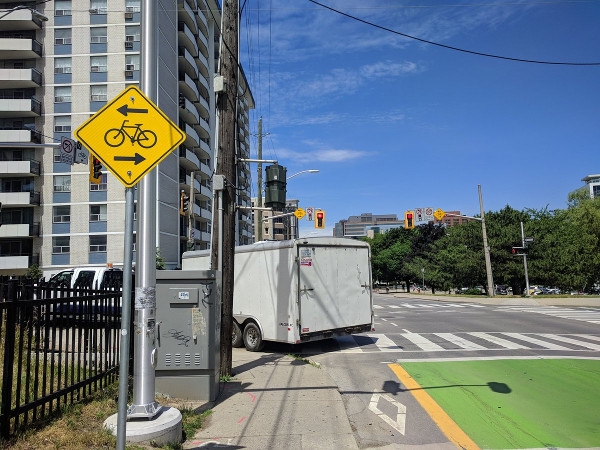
{"x": 306, "y": 360}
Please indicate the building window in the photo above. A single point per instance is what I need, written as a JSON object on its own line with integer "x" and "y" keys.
{"x": 132, "y": 62}
{"x": 62, "y": 7}
{"x": 102, "y": 186}
{"x": 62, "y": 65}
{"x": 62, "y": 183}
{"x": 98, "y": 64}
{"x": 132, "y": 33}
{"x": 62, "y": 124}
{"x": 97, "y": 213}
{"x": 61, "y": 244}
{"x": 62, "y": 36}
{"x": 62, "y": 94}
{"x": 97, "y": 244}
{"x": 61, "y": 214}
{"x": 132, "y": 5}
{"x": 98, "y": 93}
{"x": 98, "y": 7}
{"x": 98, "y": 35}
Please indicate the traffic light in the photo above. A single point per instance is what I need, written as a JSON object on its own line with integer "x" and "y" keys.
{"x": 95, "y": 170}
{"x": 409, "y": 220}
{"x": 275, "y": 187}
{"x": 184, "y": 203}
{"x": 519, "y": 250}
{"x": 319, "y": 219}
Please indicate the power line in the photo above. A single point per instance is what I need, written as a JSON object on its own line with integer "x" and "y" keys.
{"x": 489, "y": 55}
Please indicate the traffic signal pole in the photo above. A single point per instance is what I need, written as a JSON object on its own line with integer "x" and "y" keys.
{"x": 525, "y": 261}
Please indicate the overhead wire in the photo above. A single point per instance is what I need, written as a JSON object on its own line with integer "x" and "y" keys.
{"x": 489, "y": 55}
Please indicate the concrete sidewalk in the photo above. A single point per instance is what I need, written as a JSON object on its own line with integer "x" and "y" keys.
{"x": 276, "y": 401}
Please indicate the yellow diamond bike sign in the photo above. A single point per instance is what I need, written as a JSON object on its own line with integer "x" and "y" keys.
{"x": 130, "y": 135}
{"x": 299, "y": 213}
{"x": 439, "y": 214}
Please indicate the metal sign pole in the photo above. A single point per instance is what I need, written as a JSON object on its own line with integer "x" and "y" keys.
{"x": 125, "y": 321}
{"x": 525, "y": 261}
{"x": 144, "y": 383}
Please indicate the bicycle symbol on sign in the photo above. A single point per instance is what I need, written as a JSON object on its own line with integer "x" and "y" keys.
{"x": 116, "y": 136}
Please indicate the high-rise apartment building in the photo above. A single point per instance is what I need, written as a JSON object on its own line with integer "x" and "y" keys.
{"x": 53, "y": 76}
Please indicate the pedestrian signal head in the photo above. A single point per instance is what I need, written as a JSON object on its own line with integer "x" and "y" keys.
{"x": 319, "y": 219}
{"x": 409, "y": 220}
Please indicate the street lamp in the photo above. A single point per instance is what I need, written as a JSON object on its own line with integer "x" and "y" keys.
{"x": 35, "y": 12}
{"x": 304, "y": 171}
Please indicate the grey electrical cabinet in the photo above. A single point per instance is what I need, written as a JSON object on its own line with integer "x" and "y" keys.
{"x": 188, "y": 316}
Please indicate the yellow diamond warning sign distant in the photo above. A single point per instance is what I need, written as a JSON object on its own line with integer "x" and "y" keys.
{"x": 439, "y": 214}
{"x": 299, "y": 213}
{"x": 130, "y": 135}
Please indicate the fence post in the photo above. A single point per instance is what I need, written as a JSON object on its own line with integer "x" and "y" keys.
{"x": 9, "y": 356}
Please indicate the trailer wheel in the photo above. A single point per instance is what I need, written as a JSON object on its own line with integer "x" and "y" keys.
{"x": 253, "y": 338}
{"x": 237, "y": 340}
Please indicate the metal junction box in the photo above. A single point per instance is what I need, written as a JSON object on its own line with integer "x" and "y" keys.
{"x": 188, "y": 317}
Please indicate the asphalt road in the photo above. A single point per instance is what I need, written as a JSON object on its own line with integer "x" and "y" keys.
{"x": 382, "y": 412}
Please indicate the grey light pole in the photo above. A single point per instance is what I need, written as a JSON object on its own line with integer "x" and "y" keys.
{"x": 144, "y": 404}
{"x": 486, "y": 248}
{"x": 525, "y": 261}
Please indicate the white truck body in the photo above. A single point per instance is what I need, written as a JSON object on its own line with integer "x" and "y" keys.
{"x": 300, "y": 290}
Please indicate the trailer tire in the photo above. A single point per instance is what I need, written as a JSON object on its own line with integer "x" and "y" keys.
{"x": 253, "y": 338}
{"x": 237, "y": 340}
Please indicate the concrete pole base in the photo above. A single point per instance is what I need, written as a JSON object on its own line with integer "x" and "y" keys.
{"x": 164, "y": 428}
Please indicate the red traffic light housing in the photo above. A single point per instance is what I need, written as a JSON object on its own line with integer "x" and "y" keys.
{"x": 319, "y": 219}
{"x": 409, "y": 220}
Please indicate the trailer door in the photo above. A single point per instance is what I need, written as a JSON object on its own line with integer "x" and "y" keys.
{"x": 334, "y": 287}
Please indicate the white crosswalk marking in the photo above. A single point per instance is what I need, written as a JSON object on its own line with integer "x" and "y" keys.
{"x": 394, "y": 306}
{"x": 416, "y": 342}
{"x": 591, "y": 315}
{"x": 462, "y": 343}
{"x": 377, "y": 307}
{"x": 557, "y": 337}
{"x": 384, "y": 343}
{"x": 422, "y": 342}
{"x": 548, "y": 345}
{"x": 498, "y": 341}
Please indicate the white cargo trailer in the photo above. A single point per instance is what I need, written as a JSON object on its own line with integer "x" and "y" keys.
{"x": 298, "y": 290}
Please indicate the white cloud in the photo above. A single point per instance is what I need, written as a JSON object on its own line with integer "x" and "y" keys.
{"x": 321, "y": 155}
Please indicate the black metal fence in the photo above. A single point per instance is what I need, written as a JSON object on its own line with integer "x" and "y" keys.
{"x": 57, "y": 346}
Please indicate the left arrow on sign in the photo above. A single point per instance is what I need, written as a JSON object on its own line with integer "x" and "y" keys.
{"x": 137, "y": 158}
{"x": 127, "y": 110}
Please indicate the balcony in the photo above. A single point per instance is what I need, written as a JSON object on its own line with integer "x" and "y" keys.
{"x": 11, "y": 263}
{"x": 189, "y": 86}
{"x": 205, "y": 169}
{"x": 13, "y": 48}
{"x": 20, "y": 107}
{"x": 205, "y": 192}
{"x": 203, "y": 128}
{"x": 21, "y": 19}
{"x": 20, "y": 136}
{"x": 205, "y": 214}
{"x": 187, "y": 63}
{"x": 14, "y": 199}
{"x": 206, "y": 151}
{"x": 191, "y": 137}
{"x": 188, "y": 159}
{"x": 202, "y": 64}
{"x": 20, "y": 78}
{"x": 186, "y": 14}
{"x": 187, "y": 38}
{"x": 19, "y": 230}
{"x": 188, "y": 112}
{"x": 19, "y": 168}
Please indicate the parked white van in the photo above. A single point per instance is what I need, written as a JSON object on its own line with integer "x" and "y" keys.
{"x": 94, "y": 277}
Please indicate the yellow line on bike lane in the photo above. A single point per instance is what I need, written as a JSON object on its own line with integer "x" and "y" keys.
{"x": 452, "y": 431}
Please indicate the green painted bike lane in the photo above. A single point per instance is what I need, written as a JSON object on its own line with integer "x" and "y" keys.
{"x": 517, "y": 403}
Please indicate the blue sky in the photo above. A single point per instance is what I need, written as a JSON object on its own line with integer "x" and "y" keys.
{"x": 395, "y": 124}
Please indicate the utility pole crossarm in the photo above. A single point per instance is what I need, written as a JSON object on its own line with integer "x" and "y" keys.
{"x": 260, "y": 161}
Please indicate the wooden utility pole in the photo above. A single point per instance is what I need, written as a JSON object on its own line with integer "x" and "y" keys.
{"x": 226, "y": 105}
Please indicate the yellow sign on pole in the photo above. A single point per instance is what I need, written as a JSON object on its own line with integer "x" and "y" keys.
{"x": 299, "y": 213}
{"x": 439, "y": 214}
{"x": 130, "y": 135}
